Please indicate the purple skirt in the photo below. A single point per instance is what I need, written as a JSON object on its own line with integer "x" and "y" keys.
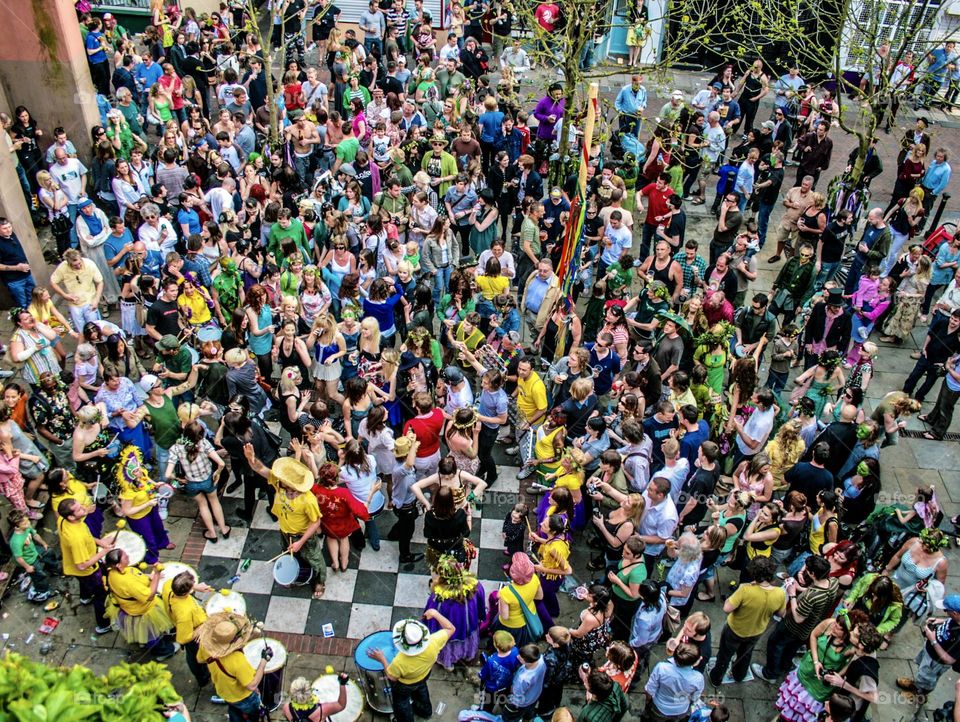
{"x": 466, "y": 617}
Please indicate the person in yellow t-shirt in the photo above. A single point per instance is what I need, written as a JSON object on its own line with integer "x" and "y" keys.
{"x": 194, "y": 301}
{"x": 550, "y": 438}
{"x": 554, "y": 563}
{"x": 187, "y": 615}
{"x": 81, "y": 553}
{"x": 417, "y": 653}
{"x": 138, "y": 502}
{"x": 748, "y": 610}
{"x": 526, "y": 584}
{"x": 221, "y": 639}
{"x": 136, "y": 610}
{"x": 296, "y": 509}
{"x": 531, "y": 398}
{"x": 64, "y": 485}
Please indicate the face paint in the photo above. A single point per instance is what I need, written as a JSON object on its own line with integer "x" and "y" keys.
{"x": 863, "y": 469}
{"x": 863, "y": 431}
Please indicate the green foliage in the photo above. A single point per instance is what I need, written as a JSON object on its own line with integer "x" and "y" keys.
{"x": 35, "y": 692}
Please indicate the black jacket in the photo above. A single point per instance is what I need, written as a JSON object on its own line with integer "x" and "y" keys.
{"x": 839, "y": 336}
{"x": 533, "y": 187}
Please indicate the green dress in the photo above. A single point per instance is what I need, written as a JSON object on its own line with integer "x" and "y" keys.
{"x": 832, "y": 659}
{"x": 820, "y": 392}
{"x": 480, "y": 240}
{"x": 716, "y": 364}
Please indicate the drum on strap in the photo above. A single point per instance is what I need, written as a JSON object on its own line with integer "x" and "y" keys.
{"x": 100, "y": 493}
{"x": 373, "y": 677}
{"x": 173, "y": 569}
{"x": 271, "y": 686}
{"x": 289, "y": 571}
{"x": 327, "y": 689}
{"x": 226, "y": 600}
{"x": 133, "y": 544}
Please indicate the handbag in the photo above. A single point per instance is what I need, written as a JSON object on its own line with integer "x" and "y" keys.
{"x": 60, "y": 225}
{"x": 671, "y": 621}
{"x": 534, "y": 625}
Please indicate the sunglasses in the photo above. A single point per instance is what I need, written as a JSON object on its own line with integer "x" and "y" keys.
{"x": 340, "y": 248}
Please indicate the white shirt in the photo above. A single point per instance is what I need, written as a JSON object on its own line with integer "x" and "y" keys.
{"x": 449, "y": 53}
{"x": 458, "y": 399}
{"x": 659, "y": 520}
{"x": 218, "y": 199}
{"x": 717, "y": 140}
{"x": 70, "y": 177}
{"x": 150, "y": 237}
{"x": 506, "y": 262}
{"x": 758, "y": 428}
{"x": 676, "y": 475}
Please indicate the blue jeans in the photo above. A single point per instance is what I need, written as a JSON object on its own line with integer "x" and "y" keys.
{"x": 72, "y": 211}
{"x": 246, "y": 710}
{"x": 301, "y": 163}
{"x": 827, "y": 272}
{"x": 441, "y": 282}
{"x": 370, "y": 43}
{"x": 763, "y": 220}
{"x": 21, "y": 290}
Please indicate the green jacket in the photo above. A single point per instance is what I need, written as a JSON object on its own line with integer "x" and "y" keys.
{"x": 796, "y": 279}
{"x": 891, "y": 615}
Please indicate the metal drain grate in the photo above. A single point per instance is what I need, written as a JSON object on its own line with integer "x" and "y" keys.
{"x": 950, "y": 436}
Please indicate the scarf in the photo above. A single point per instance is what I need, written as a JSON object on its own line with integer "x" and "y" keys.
{"x": 94, "y": 223}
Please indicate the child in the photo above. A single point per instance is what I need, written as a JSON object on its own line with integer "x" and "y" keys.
{"x": 187, "y": 615}
{"x": 498, "y": 669}
{"x": 621, "y": 664}
{"x": 853, "y": 485}
{"x": 680, "y": 394}
{"x": 560, "y": 670}
{"x": 713, "y": 711}
{"x": 701, "y": 392}
{"x": 866, "y": 316}
{"x": 514, "y": 529}
{"x": 172, "y": 268}
{"x": 527, "y": 685}
{"x": 412, "y": 256}
{"x": 785, "y": 349}
{"x": 38, "y": 564}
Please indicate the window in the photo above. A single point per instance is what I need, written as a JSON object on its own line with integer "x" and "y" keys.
{"x": 891, "y": 20}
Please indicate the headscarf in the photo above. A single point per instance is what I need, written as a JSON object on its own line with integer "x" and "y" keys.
{"x": 94, "y": 222}
{"x": 521, "y": 568}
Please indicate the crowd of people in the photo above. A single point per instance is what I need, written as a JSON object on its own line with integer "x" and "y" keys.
{"x": 362, "y": 325}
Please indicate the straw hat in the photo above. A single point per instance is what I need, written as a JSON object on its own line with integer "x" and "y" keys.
{"x": 292, "y": 474}
{"x": 223, "y": 633}
{"x": 410, "y": 636}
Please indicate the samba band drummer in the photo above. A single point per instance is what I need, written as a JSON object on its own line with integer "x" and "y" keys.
{"x": 136, "y": 610}
{"x": 304, "y": 705}
{"x": 297, "y": 511}
{"x": 222, "y": 639}
{"x": 188, "y": 615}
{"x": 138, "y": 502}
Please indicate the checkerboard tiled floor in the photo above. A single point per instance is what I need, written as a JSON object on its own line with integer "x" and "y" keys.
{"x": 374, "y": 592}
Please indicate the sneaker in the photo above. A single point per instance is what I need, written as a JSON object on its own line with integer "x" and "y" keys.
{"x": 103, "y": 630}
{"x": 25, "y": 583}
{"x": 85, "y": 601}
{"x": 863, "y": 333}
{"x": 525, "y": 473}
{"x": 757, "y": 670}
{"x": 217, "y": 699}
{"x": 42, "y": 596}
{"x": 512, "y": 450}
{"x": 176, "y": 648}
{"x": 5, "y": 374}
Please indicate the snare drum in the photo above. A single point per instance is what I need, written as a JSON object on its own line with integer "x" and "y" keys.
{"x": 377, "y": 502}
{"x": 230, "y": 602}
{"x": 288, "y": 571}
{"x": 113, "y": 447}
{"x": 209, "y": 333}
{"x": 164, "y": 491}
{"x": 373, "y": 677}
{"x": 271, "y": 686}
{"x": 172, "y": 569}
{"x": 327, "y": 689}
{"x": 132, "y": 543}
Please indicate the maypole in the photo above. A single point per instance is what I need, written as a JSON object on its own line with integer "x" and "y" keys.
{"x": 573, "y": 240}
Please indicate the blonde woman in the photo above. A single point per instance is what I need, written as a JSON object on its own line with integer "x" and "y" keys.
{"x": 329, "y": 347}
{"x": 44, "y": 311}
{"x": 55, "y": 201}
{"x": 784, "y": 451}
{"x": 914, "y": 280}
{"x": 905, "y": 216}
{"x": 292, "y": 402}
